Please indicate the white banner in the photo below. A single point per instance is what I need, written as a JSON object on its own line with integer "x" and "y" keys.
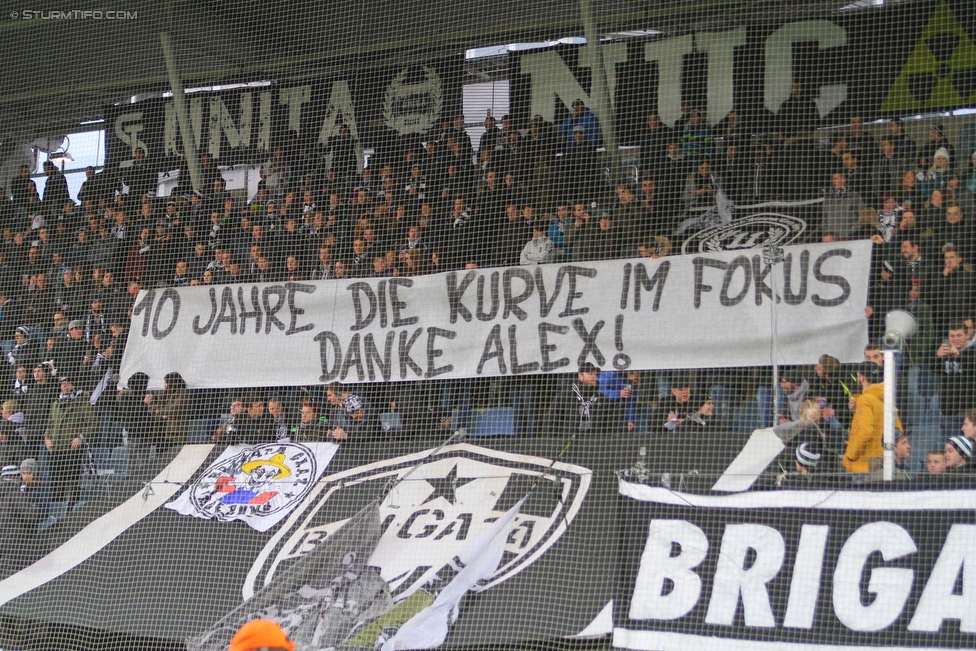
{"x": 690, "y": 311}
{"x": 259, "y": 485}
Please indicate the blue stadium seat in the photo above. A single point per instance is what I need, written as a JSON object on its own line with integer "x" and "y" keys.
{"x": 746, "y": 417}
{"x": 101, "y": 457}
{"x": 119, "y": 460}
{"x": 494, "y": 421}
{"x": 391, "y": 422}
{"x": 58, "y": 511}
{"x": 201, "y": 429}
{"x": 473, "y": 420}
{"x": 47, "y": 523}
{"x": 643, "y": 417}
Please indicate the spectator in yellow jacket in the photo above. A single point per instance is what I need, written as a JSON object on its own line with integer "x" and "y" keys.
{"x": 864, "y": 446}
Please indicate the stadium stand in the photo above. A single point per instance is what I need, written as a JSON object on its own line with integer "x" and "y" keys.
{"x": 387, "y": 181}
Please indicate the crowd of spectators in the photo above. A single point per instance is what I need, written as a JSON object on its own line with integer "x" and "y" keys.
{"x": 70, "y": 273}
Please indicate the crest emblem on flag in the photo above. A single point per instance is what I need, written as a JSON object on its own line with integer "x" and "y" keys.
{"x": 259, "y": 485}
{"x": 263, "y": 479}
{"x": 751, "y": 232}
{"x": 430, "y": 517}
{"x": 413, "y": 107}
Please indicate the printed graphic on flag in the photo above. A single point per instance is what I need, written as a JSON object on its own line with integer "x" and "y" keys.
{"x": 258, "y": 485}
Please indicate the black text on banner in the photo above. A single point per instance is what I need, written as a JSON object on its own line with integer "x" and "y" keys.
{"x": 707, "y": 310}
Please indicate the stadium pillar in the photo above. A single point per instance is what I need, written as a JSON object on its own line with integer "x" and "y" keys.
{"x": 600, "y": 91}
{"x": 179, "y": 101}
{"x": 772, "y": 256}
{"x": 889, "y": 414}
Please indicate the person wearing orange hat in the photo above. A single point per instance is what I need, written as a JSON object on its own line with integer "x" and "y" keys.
{"x": 262, "y": 634}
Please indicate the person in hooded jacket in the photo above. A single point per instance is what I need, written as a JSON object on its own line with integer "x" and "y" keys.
{"x": 140, "y": 423}
{"x": 38, "y": 402}
{"x": 864, "y": 445}
{"x": 794, "y": 389}
{"x": 25, "y": 352}
{"x": 841, "y": 207}
{"x": 579, "y": 407}
{"x": 539, "y": 249}
{"x": 172, "y": 409}
{"x": 22, "y": 508}
{"x": 72, "y": 424}
{"x": 311, "y": 427}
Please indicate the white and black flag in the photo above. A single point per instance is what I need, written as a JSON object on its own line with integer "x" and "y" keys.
{"x": 323, "y": 598}
{"x": 475, "y": 565}
{"x": 722, "y": 213}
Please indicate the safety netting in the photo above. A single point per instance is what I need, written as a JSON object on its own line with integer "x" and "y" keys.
{"x": 645, "y": 325}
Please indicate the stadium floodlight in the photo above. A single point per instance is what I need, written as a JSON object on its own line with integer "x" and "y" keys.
{"x": 61, "y": 156}
{"x": 900, "y": 326}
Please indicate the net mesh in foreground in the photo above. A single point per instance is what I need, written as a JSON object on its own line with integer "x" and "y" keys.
{"x": 460, "y": 325}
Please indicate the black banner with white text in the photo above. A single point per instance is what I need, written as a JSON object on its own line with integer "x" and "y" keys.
{"x": 811, "y": 570}
{"x": 854, "y": 63}
{"x": 244, "y": 125}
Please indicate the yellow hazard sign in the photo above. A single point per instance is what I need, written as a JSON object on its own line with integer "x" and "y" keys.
{"x": 941, "y": 71}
